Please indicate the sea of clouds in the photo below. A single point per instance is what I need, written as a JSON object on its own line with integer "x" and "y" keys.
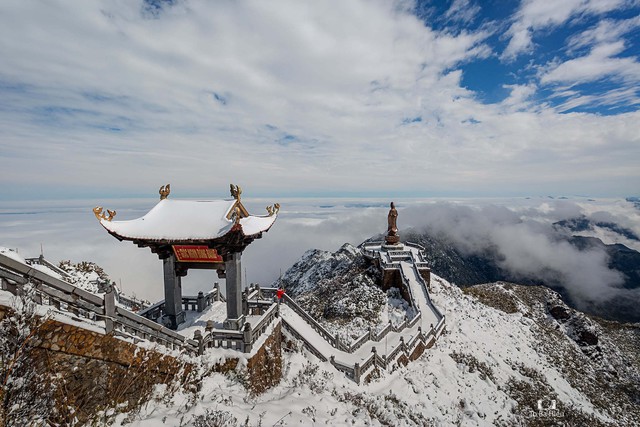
{"x": 520, "y": 231}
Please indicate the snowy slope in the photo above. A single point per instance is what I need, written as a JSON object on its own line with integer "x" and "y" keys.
{"x": 340, "y": 290}
{"x": 489, "y": 368}
{"x": 92, "y": 278}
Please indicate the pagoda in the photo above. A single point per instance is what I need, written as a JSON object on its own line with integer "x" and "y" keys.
{"x": 200, "y": 234}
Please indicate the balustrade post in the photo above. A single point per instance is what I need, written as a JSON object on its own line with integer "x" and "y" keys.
{"x": 246, "y": 338}
{"x": 245, "y": 302}
{"x": 201, "y": 304}
{"x": 197, "y": 335}
{"x": 109, "y": 302}
{"x": 209, "y": 326}
{"x": 216, "y": 286}
{"x": 356, "y": 372}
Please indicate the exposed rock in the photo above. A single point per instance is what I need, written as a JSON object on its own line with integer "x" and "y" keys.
{"x": 95, "y": 372}
{"x": 559, "y": 312}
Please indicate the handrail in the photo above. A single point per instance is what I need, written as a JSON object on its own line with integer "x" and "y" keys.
{"x": 57, "y": 291}
{"x": 307, "y": 344}
{"x": 264, "y": 321}
{"x": 313, "y": 322}
{"x": 415, "y": 245}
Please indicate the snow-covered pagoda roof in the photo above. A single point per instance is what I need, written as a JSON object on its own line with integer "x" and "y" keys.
{"x": 174, "y": 222}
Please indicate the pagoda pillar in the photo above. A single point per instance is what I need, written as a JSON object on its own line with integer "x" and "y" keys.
{"x": 173, "y": 313}
{"x": 233, "y": 274}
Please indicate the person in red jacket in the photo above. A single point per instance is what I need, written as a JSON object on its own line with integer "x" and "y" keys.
{"x": 280, "y": 293}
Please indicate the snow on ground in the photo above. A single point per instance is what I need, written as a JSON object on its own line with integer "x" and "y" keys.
{"x": 47, "y": 270}
{"x": 217, "y": 312}
{"x": 436, "y": 389}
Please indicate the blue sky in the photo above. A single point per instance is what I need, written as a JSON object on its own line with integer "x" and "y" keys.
{"x": 573, "y": 37}
{"x": 288, "y": 98}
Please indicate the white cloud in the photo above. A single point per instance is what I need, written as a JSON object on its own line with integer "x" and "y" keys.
{"x": 519, "y": 97}
{"x": 625, "y": 96}
{"x": 535, "y": 15}
{"x": 518, "y": 229}
{"x": 285, "y": 98}
{"x": 524, "y": 243}
{"x": 606, "y": 31}
{"x": 598, "y": 64}
{"x": 463, "y": 11}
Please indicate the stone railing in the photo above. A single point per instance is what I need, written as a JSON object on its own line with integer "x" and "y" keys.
{"x": 219, "y": 338}
{"x": 330, "y": 338}
{"x": 306, "y": 342}
{"x": 415, "y": 245}
{"x": 121, "y": 322}
{"x": 42, "y": 261}
{"x": 334, "y": 339}
{"x": 425, "y": 290}
{"x": 82, "y": 304}
{"x": 399, "y": 255}
{"x": 130, "y": 303}
{"x": 245, "y": 339}
{"x": 360, "y": 371}
{"x": 189, "y": 302}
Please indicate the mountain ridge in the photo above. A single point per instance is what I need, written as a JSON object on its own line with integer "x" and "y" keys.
{"x": 523, "y": 342}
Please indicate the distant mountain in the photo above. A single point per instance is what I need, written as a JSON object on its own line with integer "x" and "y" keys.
{"x": 585, "y": 224}
{"x": 634, "y": 200}
{"x": 448, "y": 261}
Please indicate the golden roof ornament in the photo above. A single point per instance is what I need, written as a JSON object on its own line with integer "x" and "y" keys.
{"x": 165, "y": 190}
{"x": 97, "y": 211}
{"x": 236, "y": 191}
{"x": 273, "y": 210}
{"x": 237, "y": 214}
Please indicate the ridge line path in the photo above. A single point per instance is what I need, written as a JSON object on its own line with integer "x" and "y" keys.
{"x": 385, "y": 345}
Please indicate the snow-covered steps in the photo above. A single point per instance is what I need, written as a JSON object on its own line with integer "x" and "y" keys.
{"x": 386, "y": 349}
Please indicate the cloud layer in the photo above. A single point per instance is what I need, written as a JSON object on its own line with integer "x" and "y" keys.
{"x": 294, "y": 98}
{"x": 525, "y": 245}
{"x": 518, "y": 230}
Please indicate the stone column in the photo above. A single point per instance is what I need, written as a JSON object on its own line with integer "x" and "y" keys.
{"x": 233, "y": 272}
{"x": 173, "y": 314}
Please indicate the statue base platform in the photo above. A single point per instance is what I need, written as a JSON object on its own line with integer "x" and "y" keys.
{"x": 392, "y": 240}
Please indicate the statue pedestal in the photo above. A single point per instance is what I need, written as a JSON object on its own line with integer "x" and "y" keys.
{"x": 392, "y": 240}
